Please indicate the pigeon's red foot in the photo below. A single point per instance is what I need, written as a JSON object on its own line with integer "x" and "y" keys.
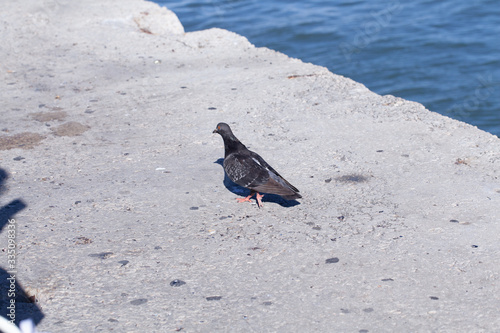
{"x": 245, "y": 199}
{"x": 258, "y": 197}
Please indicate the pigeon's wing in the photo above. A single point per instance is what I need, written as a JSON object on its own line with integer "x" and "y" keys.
{"x": 245, "y": 171}
{"x": 273, "y": 173}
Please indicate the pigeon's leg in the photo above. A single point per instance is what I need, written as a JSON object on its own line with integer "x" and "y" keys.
{"x": 258, "y": 197}
{"x": 247, "y": 198}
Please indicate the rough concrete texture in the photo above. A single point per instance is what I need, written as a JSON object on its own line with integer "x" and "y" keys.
{"x": 107, "y": 117}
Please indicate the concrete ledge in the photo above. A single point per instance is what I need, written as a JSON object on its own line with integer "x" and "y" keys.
{"x": 106, "y": 138}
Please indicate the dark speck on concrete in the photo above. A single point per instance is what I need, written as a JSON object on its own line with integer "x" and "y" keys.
{"x": 177, "y": 283}
{"x": 368, "y": 310}
{"x": 389, "y": 279}
{"x": 112, "y": 320}
{"x": 454, "y": 221}
{"x": 18, "y": 158}
{"x": 139, "y": 301}
{"x": 475, "y": 246}
{"x": 123, "y": 262}
{"x": 212, "y": 108}
{"x": 363, "y": 331}
{"x": 102, "y": 255}
{"x": 434, "y": 298}
{"x": 194, "y": 208}
{"x": 214, "y": 298}
{"x": 332, "y": 260}
{"x": 345, "y": 311}
{"x": 328, "y": 180}
{"x": 353, "y": 178}
{"x": 380, "y": 151}
{"x": 158, "y": 247}
{"x": 267, "y": 303}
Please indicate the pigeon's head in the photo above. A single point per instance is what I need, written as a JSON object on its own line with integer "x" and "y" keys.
{"x": 223, "y": 129}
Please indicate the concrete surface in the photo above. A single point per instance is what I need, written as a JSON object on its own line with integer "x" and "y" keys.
{"x": 124, "y": 221}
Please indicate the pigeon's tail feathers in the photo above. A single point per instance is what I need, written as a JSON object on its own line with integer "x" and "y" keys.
{"x": 278, "y": 186}
{"x": 292, "y": 197}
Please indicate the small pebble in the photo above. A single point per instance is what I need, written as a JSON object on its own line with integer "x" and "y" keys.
{"x": 123, "y": 262}
{"x": 177, "y": 283}
{"x": 332, "y": 260}
{"x": 139, "y": 301}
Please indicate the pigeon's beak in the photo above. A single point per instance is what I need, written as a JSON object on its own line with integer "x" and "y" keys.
{"x": 215, "y": 131}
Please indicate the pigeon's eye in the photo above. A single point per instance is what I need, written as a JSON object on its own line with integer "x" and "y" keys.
{"x": 218, "y": 127}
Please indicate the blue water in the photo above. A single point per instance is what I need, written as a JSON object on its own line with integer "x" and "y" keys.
{"x": 443, "y": 54}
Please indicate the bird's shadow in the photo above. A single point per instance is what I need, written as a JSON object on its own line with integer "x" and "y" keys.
{"x": 239, "y": 190}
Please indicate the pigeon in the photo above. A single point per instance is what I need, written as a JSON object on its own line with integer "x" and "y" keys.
{"x": 249, "y": 170}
